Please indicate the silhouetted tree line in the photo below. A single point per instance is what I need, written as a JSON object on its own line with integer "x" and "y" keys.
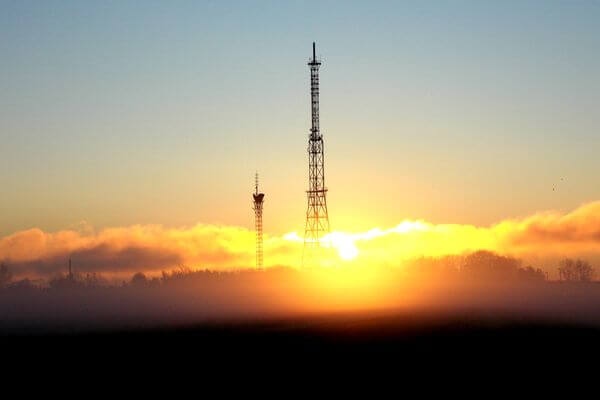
{"x": 88, "y": 280}
{"x": 478, "y": 266}
{"x": 575, "y": 270}
{"x": 139, "y": 279}
{"x": 489, "y": 266}
{"x": 483, "y": 266}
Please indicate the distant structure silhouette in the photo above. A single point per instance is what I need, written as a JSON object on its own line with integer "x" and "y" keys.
{"x": 317, "y": 219}
{"x": 70, "y": 277}
{"x": 258, "y": 222}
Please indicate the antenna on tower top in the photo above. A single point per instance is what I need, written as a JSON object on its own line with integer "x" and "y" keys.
{"x": 256, "y": 183}
{"x": 258, "y": 222}
{"x": 314, "y": 61}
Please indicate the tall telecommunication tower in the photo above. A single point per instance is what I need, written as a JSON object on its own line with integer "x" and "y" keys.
{"x": 317, "y": 220}
{"x": 258, "y": 225}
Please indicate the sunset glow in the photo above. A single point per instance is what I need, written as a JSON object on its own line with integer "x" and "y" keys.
{"x": 545, "y": 236}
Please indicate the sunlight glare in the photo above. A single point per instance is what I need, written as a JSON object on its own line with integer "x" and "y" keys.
{"x": 344, "y": 244}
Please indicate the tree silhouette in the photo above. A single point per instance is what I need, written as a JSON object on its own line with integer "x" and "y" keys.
{"x": 531, "y": 274}
{"x": 139, "y": 280}
{"x": 487, "y": 265}
{"x": 575, "y": 270}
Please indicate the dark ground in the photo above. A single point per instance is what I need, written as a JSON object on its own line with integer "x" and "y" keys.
{"x": 355, "y": 355}
{"x": 342, "y": 336}
{"x": 144, "y": 337}
{"x": 369, "y": 355}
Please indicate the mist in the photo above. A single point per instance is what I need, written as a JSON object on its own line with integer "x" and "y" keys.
{"x": 481, "y": 285}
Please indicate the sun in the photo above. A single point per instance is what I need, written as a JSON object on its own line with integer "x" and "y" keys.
{"x": 344, "y": 244}
{"x": 348, "y": 252}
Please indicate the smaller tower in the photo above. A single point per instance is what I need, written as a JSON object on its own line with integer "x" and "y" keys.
{"x": 70, "y": 270}
{"x": 258, "y": 224}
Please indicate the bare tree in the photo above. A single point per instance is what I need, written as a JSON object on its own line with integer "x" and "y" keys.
{"x": 575, "y": 270}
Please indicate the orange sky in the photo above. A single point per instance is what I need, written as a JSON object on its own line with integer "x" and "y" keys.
{"x": 462, "y": 113}
{"x": 541, "y": 238}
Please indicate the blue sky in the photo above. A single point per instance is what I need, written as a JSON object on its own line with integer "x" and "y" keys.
{"x": 120, "y": 112}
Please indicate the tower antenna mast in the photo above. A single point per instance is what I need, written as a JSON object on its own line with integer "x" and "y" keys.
{"x": 317, "y": 219}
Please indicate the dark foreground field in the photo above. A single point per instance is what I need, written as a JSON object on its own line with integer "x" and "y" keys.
{"x": 389, "y": 335}
{"x": 345, "y": 350}
{"x": 378, "y": 332}
{"x": 245, "y": 319}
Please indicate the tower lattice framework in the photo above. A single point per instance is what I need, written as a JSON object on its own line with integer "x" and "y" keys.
{"x": 258, "y": 221}
{"x": 317, "y": 219}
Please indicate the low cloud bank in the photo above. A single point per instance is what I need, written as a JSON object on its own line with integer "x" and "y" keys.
{"x": 152, "y": 248}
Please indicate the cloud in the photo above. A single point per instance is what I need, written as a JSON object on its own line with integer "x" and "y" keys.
{"x": 577, "y": 229}
{"x": 125, "y": 249}
{"x": 544, "y": 235}
{"x": 103, "y": 258}
{"x": 152, "y": 248}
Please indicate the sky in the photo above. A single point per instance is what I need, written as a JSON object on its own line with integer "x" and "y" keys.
{"x": 119, "y": 113}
